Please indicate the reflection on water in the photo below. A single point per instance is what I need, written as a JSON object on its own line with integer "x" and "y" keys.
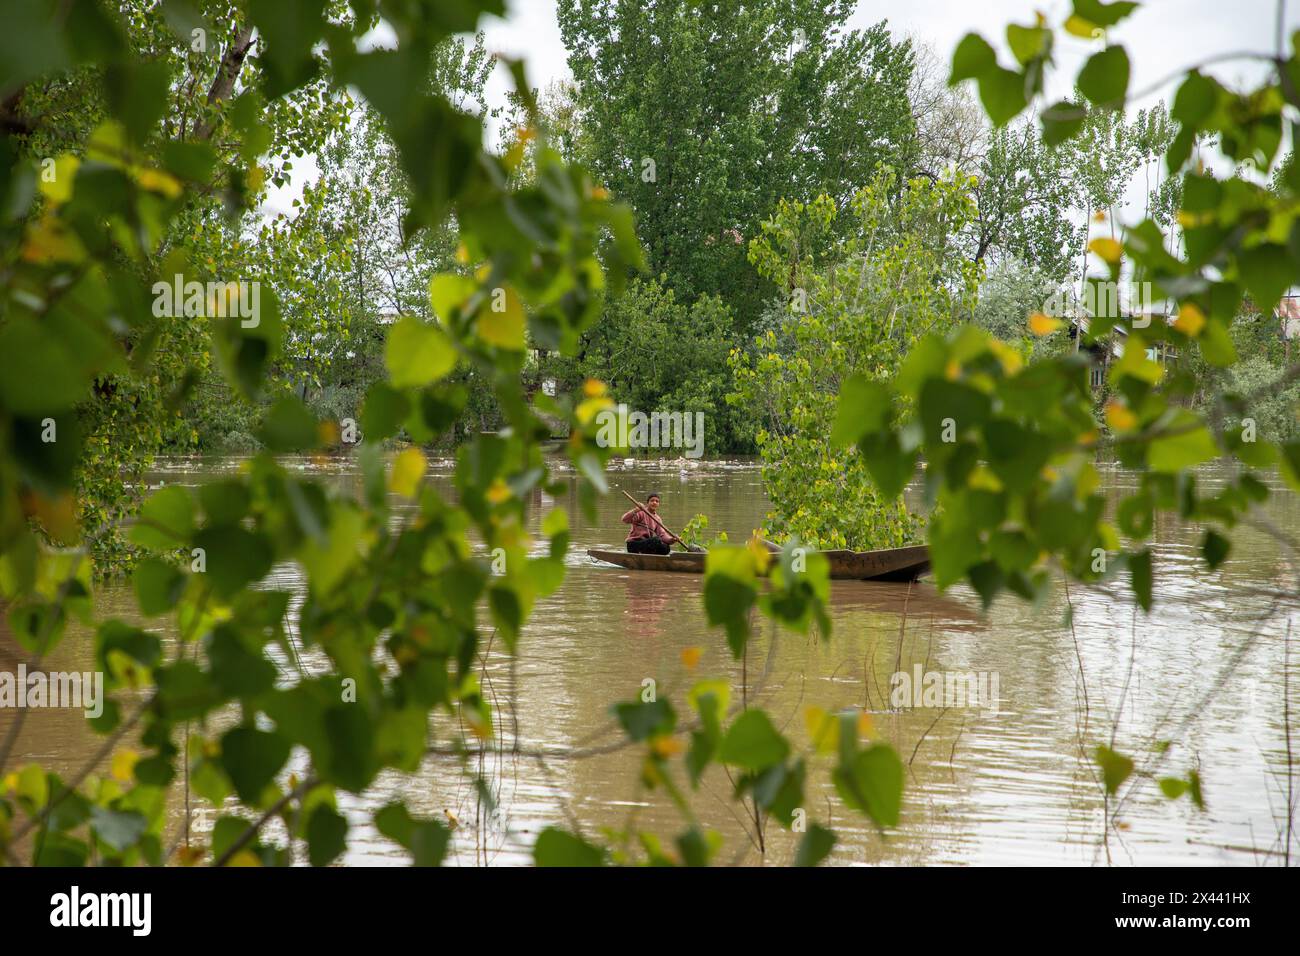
{"x": 984, "y": 785}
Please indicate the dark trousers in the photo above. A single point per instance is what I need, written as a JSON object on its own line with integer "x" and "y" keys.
{"x": 648, "y": 546}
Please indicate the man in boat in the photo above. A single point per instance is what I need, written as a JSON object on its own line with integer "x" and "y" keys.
{"x": 647, "y": 534}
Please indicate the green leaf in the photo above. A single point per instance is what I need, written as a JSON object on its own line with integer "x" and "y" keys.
{"x": 873, "y": 783}
{"x": 326, "y": 564}
{"x": 237, "y": 670}
{"x": 1192, "y": 445}
{"x": 166, "y": 521}
{"x": 1028, "y": 43}
{"x": 752, "y": 742}
{"x": 645, "y": 719}
{"x": 944, "y": 404}
{"x": 556, "y": 847}
{"x": 891, "y": 467}
{"x": 38, "y": 373}
{"x": 1061, "y": 121}
{"x": 417, "y": 353}
{"x": 289, "y": 426}
{"x": 972, "y": 58}
{"x": 1104, "y": 78}
{"x": 327, "y": 833}
{"x": 1139, "y": 566}
{"x": 729, "y": 593}
{"x": 815, "y": 846}
{"x": 119, "y": 829}
{"x": 1115, "y": 768}
{"x": 1195, "y": 100}
{"x": 114, "y": 637}
{"x": 252, "y": 758}
{"x": 1172, "y": 787}
{"x": 233, "y": 557}
{"x": 1267, "y": 270}
{"x": 427, "y": 840}
{"x": 1002, "y": 92}
{"x": 863, "y": 408}
{"x": 158, "y": 586}
{"x": 1215, "y": 548}
{"x": 384, "y": 411}
{"x": 1104, "y": 14}
{"x": 1216, "y": 344}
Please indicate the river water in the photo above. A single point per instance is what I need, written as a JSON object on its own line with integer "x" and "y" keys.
{"x": 1005, "y": 782}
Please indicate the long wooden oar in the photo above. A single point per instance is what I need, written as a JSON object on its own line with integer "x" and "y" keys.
{"x": 655, "y": 518}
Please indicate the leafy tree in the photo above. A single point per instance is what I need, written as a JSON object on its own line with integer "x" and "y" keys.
{"x": 1009, "y": 294}
{"x": 659, "y": 354}
{"x": 191, "y": 98}
{"x": 853, "y": 312}
{"x": 700, "y": 115}
{"x": 1024, "y": 198}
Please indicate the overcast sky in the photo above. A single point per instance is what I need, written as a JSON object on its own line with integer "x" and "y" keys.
{"x": 1162, "y": 36}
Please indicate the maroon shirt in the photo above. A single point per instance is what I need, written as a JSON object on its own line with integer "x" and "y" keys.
{"x": 644, "y": 526}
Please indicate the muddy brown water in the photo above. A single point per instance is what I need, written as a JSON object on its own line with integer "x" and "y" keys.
{"x": 1008, "y": 781}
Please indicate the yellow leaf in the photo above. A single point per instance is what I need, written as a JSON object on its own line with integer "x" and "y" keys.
{"x": 593, "y": 388}
{"x": 1120, "y": 417}
{"x": 823, "y": 729}
{"x": 1135, "y": 362}
{"x": 57, "y": 515}
{"x": 1010, "y": 359}
{"x": 123, "y": 766}
{"x": 691, "y": 656}
{"x": 1080, "y": 27}
{"x": 48, "y": 240}
{"x": 58, "y": 188}
{"x": 982, "y": 479}
{"x": 448, "y": 291}
{"x": 666, "y": 747}
{"x": 587, "y": 411}
{"x": 599, "y": 192}
{"x": 157, "y": 181}
{"x": 191, "y": 855}
{"x": 408, "y": 469}
{"x": 327, "y": 432}
{"x": 1040, "y": 323}
{"x": 1190, "y": 319}
{"x": 1107, "y": 250}
{"x": 501, "y": 320}
{"x": 498, "y": 492}
{"x": 514, "y": 156}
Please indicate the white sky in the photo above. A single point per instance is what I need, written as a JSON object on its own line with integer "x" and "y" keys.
{"x": 1162, "y": 37}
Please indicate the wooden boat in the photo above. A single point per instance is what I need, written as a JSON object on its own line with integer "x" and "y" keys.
{"x": 888, "y": 564}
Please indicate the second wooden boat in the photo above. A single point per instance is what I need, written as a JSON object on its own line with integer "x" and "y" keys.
{"x": 887, "y": 564}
